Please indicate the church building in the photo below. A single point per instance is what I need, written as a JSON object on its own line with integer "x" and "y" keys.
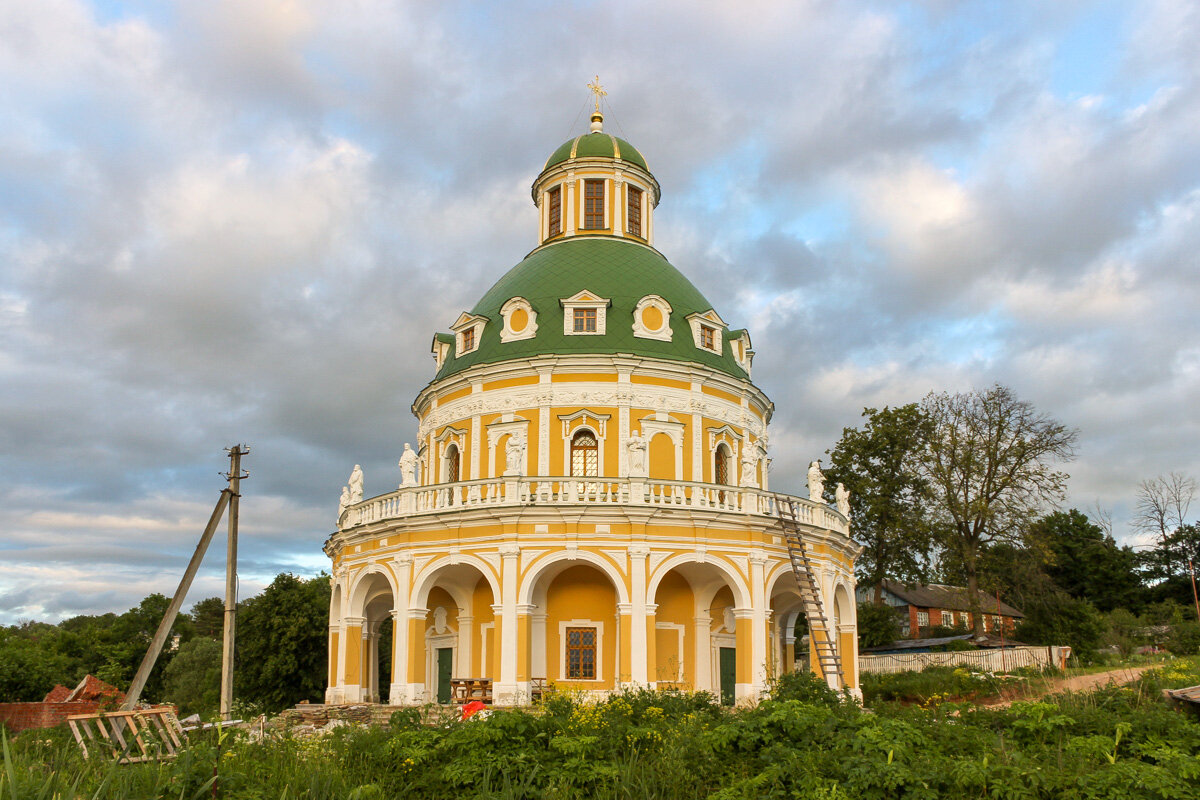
{"x": 586, "y": 504}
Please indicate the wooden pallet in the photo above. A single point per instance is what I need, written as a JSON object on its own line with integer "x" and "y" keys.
{"x": 146, "y": 734}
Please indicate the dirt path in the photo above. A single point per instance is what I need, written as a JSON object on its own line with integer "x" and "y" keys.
{"x": 1079, "y": 683}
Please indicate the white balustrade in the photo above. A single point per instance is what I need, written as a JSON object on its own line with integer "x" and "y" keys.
{"x": 417, "y": 500}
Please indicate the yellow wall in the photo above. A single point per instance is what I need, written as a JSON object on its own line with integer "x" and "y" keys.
{"x": 662, "y": 458}
{"x": 582, "y": 593}
{"x": 481, "y": 610}
{"x": 676, "y": 604}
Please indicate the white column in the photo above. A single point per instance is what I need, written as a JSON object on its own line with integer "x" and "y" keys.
{"x": 758, "y": 629}
{"x": 704, "y": 655}
{"x": 466, "y": 632}
{"x": 397, "y": 691}
{"x": 571, "y": 190}
{"x": 505, "y": 690}
{"x": 638, "y": 633}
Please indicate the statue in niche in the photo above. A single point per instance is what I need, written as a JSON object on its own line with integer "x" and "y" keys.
{"x": 841, "y": 496}
{"x": 408, "y": 466}
{"x": 749, "y": 472}
{"x": 439, "y": 620}
{"x": 356, "y": 484}
{"x": 343, "y": 502}
{"x": 816, "y": 482}
{"x": 635, "y": 448}
{"x": 514, "y": 455}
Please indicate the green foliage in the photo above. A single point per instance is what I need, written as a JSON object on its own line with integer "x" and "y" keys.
{"x": 803, "y": 686}
{"x": 208, "y": 617}
{"x": 1184, "y": 639}
{"x": 880, "y": 466}
{"x": 193, "y": 678}
{"x": 933, "y": 684}
{"x": 282, "y": 647}
{"x": 877, "y": 625}
{"x": 1119, "y": 742}
{"x": 1059, "y": 619}
{"x": 1087, "y": 564}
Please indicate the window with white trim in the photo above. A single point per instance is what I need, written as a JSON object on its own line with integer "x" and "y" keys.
{"x": 947, "y": 619}
{"x": 922, "y": 619}
{"x": 584, "y": 314}
{"x": 581, "y": 654}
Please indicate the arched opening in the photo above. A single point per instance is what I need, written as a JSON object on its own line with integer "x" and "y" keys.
{"x": 585, "y": 455}
{"x": 452, "y": 464}
{"x": 369, "y": 655}
{"x": 695, "y": 636}
{"x": 574, "y": 627}
{"x": 456, "y": 638}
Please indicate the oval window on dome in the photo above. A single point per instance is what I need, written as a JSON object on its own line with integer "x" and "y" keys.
{"x": 652, "y": 318}
{"x": 520, "y": 320}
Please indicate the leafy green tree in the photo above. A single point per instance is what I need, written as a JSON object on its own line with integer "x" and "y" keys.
{"x": 30, "y": 664}
{"x": 989, "y": 462}
{"x": 880, "y": 465}
{"x": 208, "y": 617}
{"x": 193, "y": 678}
{"x": 1166, "y": 567}
{"x": 282, "y": 644}
{"x": 878, "y": 625}
{"x": 1059, "y": 619}
{"x": 1086, "y": 563}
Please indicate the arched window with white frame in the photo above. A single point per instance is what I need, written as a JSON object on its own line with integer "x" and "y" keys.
{"x": 585, "y": 455}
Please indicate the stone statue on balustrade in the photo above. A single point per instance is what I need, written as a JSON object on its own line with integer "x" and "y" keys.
{"x": 344, "y": 502}
{"x": 356, "y": 485}
{"x": 816, "y": 482}
{"x": 514, "y": 455}
{"x": 408, "y": 466}
{"x": 749, "y": 473}
{"x": 635, "y": 448}
{"x": 841, "y": 496}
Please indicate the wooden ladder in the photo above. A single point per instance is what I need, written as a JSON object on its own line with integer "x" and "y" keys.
{"x": 814, "y": 612}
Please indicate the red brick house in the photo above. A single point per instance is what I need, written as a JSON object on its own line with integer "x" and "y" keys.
{"x": 934, "y": 605}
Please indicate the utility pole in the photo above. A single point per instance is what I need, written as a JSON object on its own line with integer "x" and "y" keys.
{"x": 235, "y": 477}
{"x": 1195, "y": 596}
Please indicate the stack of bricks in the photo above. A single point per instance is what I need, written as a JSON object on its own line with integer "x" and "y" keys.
{"x": 88, "y": 697}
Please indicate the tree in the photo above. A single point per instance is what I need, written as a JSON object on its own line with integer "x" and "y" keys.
{"x": 878, "y": 625}
{"x": 1087, "y": 564}
{"x": 1167, "y": 566}
{"x": 989, "y": 462}
{"x": 880, "y": 465}
{"x": 208, "y": 617}
{"x": 1059, "y": 619}
{"x": 1162, "y": 507}
{"x": 193, "y": 678}
{"x": 282, "y": 645}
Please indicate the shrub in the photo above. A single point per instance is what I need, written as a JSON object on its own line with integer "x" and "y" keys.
{"x": 1184, "y": 639}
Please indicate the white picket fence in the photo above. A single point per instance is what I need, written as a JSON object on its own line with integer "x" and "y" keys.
{"x": 1000, "y": 660}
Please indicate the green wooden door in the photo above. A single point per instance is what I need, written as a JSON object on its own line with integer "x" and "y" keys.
{"x": 728, "y": 674}
{"x": 445, "y": 659}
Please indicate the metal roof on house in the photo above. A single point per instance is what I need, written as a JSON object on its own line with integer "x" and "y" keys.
{"x": 949, "y": 598}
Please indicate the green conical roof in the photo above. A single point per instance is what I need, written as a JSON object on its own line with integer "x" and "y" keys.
{"x": 618, "y": 270}
{"x": 596, "y": 145}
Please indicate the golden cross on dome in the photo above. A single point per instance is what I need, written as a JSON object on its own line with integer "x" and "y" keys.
{"x": 597, "y": 90}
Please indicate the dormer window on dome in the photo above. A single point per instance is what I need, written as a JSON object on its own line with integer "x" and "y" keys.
{"x": 707, "y": 330}
{"x": 520, "y": 320}
{"x": 584, "y": 314}
{"x": 468, "y": 330}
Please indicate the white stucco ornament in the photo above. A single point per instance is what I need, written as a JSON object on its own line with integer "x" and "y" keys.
{"x": 514, "y": 455}
{"x": 749, "y": 473}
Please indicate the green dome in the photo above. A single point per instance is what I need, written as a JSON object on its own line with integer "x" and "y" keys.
{"x": 618, "y": 270}
{"x": 596, "y": 145}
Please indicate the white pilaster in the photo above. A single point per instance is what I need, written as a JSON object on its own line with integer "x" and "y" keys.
{"x": 505, "y": 691}
{"x": 639, "y": 607}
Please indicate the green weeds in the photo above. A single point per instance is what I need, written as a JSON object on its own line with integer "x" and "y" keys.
{"x": 802, "y": 742}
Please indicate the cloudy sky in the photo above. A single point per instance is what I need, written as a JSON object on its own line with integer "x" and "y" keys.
{"x": 241, "y": 220}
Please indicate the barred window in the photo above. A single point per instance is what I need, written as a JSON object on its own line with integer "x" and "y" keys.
{"x": 585, "y": 455}
{"x": 452, "y": 464}
{"x": 581, "y": 653}
{"x": 593, "y": 204}
{"x": 555, "y": 196}
{"x": 634, "y": 217}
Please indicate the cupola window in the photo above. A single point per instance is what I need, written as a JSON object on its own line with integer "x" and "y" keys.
{"x": 707, "y": 331}
{"x": 468, "y": 340}
{"x": 584, "y": 314}
{"x": 467, "y": 329}
{"x": 585, "y": 455}
{"x": 554, "y": 197}
{"x": 593, "y": 204}
{"x": 634, "y": 208}
{"x": 708, "y": 337}
{"x": 520, "y": 320}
